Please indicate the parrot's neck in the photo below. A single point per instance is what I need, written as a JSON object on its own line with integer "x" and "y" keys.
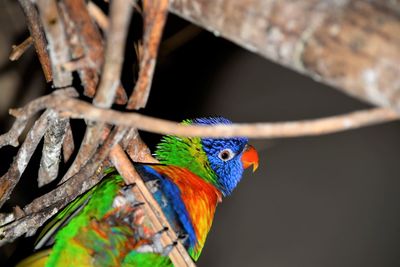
{"x": 200, "y": 199}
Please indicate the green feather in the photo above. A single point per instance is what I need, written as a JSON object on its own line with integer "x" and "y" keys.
{"x": 102, "y": 197}
{"x": 146, "y": 260}
{"x": 185, "y": 152}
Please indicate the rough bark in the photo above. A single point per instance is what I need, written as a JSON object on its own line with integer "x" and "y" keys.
{"x": 351, "y": 45}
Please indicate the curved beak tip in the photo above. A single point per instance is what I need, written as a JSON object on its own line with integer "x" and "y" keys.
{"x": 250, "y": 157}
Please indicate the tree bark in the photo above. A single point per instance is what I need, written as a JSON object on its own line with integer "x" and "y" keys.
{"x": 351, "y": 45}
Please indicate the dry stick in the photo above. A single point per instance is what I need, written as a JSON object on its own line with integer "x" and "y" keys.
{"x": 155, "y": 15}
{"x": 68, "y": 145}
{"x": 57, "y": 41}
{"x": 98, "y": 15}
{"x": 79, "y": 109}
{"x": 51, "y": 152}
{"x": 19, "y": 50}
{"x": 121, "y": 98}
{"x": 10, "y": 179}
{"x": 80, "y": 180}
{"x": 136, "y": 148}
{"x": 120, "y": 14}
{"x": 24, "y": 114}
{"x": 27, "y": 224}
{"x": 45, "y": 206}
{"x": 39, "y": 41}
{"x": 59, "y": 54}
{"x": 178, "y": 255}
{"x": 85, "y": 42}
{"x": 74, "y": 108}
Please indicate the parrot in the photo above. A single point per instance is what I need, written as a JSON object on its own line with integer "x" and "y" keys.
{"x": 104, "y": 226}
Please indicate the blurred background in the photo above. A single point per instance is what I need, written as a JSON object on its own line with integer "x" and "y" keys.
{"x": 332, "y": 200}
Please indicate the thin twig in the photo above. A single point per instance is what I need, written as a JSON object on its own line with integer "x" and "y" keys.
{"x": 155, "y": 15}
{"x": 27, "y": 224}
{"x": 59, "y": 54}
{"x": 74, "y": 108}
{"x": 10, "y": 179}
{"x": 24, "y": 114}
{"x": 98, "y": 15}
{"x": 51, "y": 152}
{"x": 19, "y": 50}
{"x": 85, "y": 42}
{"x": 68, "y": 144}
{"x": 92, "y": 139}
{"x": 45, "y": 206}
{"x": 81, "y": 181}
{"x": 178, "y": 255}
{"x": 136, "y": 148}
{"x": 120, "y": 15}
{"x": 57, "y": 41}
{"x": 39, "y": 41}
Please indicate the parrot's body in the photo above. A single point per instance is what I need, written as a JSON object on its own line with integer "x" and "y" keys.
{"x": 193, "y": 175}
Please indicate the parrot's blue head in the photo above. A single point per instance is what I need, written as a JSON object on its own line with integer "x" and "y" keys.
{"x": 228, "y": 157}
{"x": 219, "y": 161}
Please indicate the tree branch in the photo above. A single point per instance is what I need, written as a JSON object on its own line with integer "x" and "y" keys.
{"x": 351, "y": 45}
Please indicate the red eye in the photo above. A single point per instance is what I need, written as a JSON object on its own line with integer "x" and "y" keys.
{"x": 226, "y": 154}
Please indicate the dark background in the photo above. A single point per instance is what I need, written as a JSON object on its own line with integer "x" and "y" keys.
{"x": 318, "y": 201}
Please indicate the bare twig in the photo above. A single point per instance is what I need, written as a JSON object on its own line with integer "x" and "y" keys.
{"x": 85, "y": 41}
{"x": 59, "y": 54}
{"x": 74, "y": 108}
{"x": 19, "y": 50}
{"x": 53, "y": 141}
{"x": 79, "y": 182}
{"x": 98, "y": 15}
{"x": 39, "y": 41}
{"x": 47, "y": 205}
{"x": 120, "y": 15}
{"x": 68, "y": 144}
{"x": 155, "y": 15}
{"x": 136, "y": 148}
{"x": 178, "y": 255}
{"x": 57, "y": 42}
{"x": 9, "y": 232}
{"x": 24, "y": 114}
{"x": 10, "y": 179}
{"x": 92, "y": 139}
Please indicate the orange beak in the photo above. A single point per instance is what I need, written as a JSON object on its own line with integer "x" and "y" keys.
{"x": 250, "y": 157}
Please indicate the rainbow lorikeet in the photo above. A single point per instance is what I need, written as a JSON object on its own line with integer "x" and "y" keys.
{"x": 103, "y": 226}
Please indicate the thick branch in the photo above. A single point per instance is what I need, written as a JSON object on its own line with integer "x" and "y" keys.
{"x": 352, "y": 45}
